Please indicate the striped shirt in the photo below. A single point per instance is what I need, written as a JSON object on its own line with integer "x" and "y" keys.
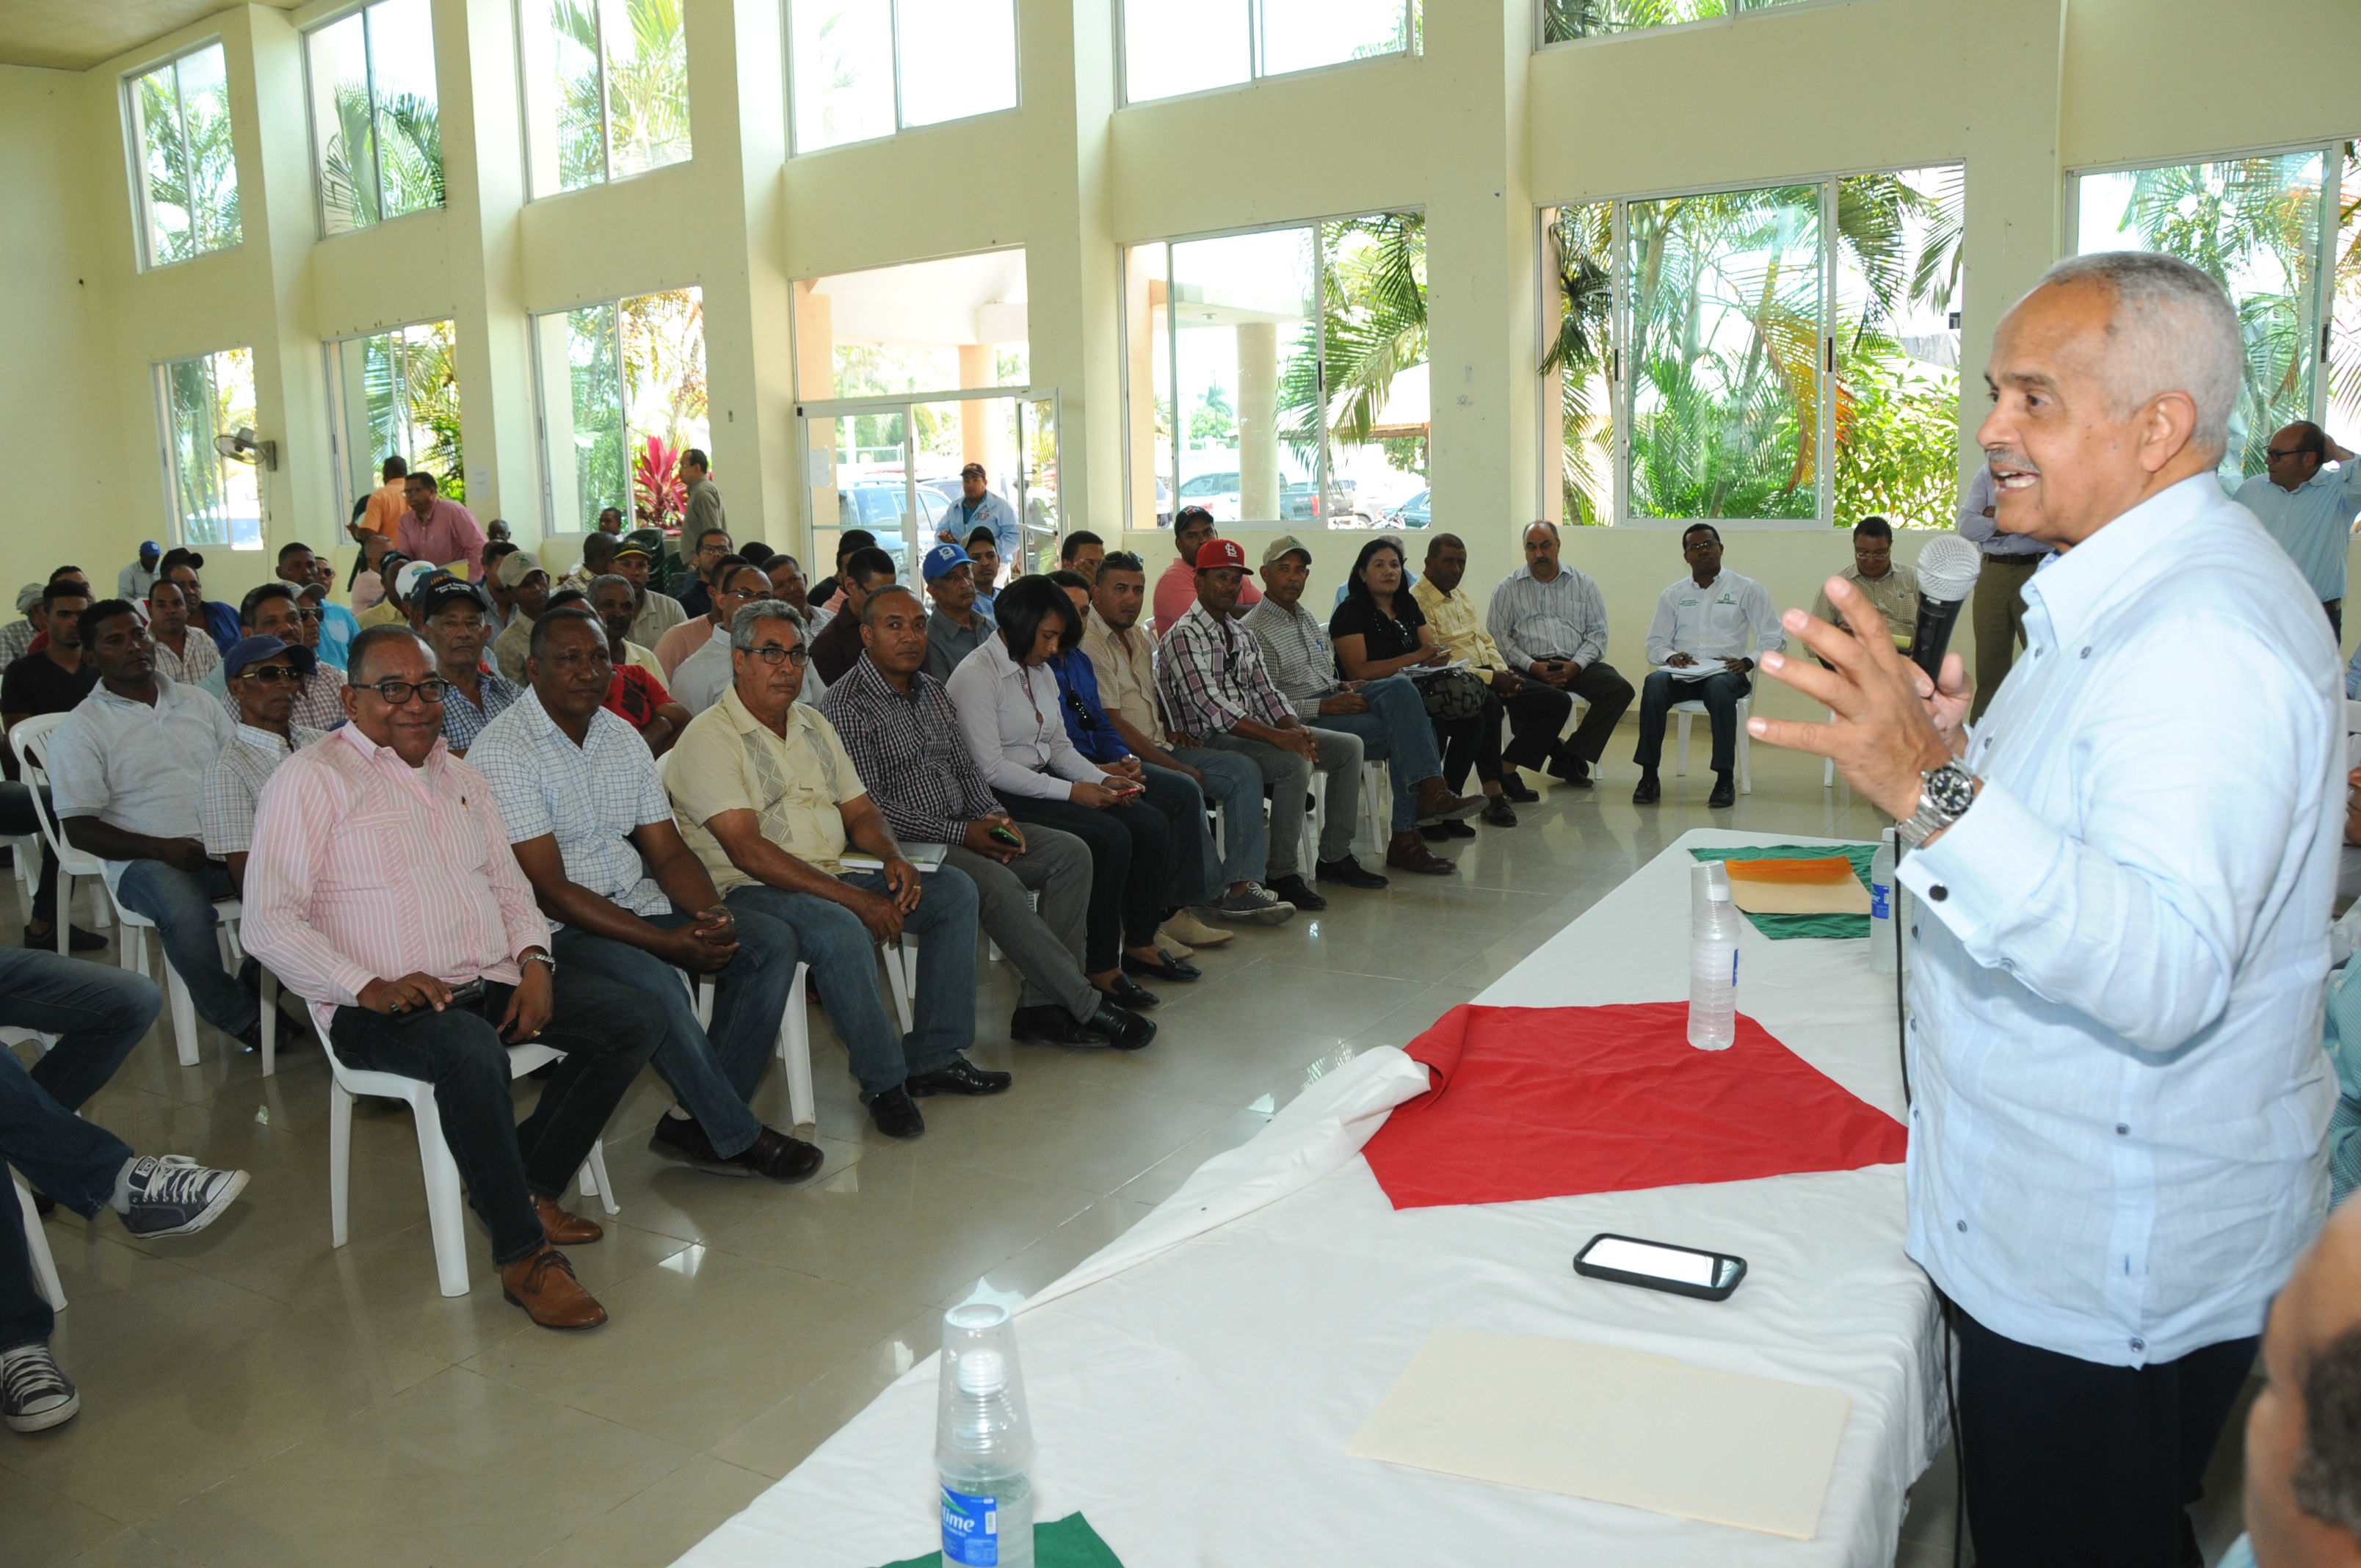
{"x": 16, "y": 638}
{"x": 1531, "y": 620}
{"x": 201, "y": 660}
{"x": 910, "y": 751}
{"x": 365, "y": 867}
{"x": 319, "y": 706}
{"x": 1211, "y": 676}
{"x": 591, "y": 798}
{"x": 1297, "y": 653}
{"x": 228, "y": 794}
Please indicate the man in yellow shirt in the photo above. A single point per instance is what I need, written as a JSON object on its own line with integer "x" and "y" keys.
{"x": 769, "y": 801}
{"x": 1892, "y": 589}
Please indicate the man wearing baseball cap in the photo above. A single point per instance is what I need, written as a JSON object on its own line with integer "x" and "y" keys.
{"x": 134, "y": 581}
{"x": 979, "y": 508}
{"x": 1175, "y": 590}
{"x": 1219, "y": 696}
{"x": 453, "y": 617}
{"x": 272, "y": 609}
{"x": 658, "y": 612}
{"x": 527, "y": 581}
{"x": 956, "y": 627}
{"x": 264, "y": 674}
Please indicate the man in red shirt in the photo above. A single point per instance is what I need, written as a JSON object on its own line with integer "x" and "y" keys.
{"x": 1175, "y": 590}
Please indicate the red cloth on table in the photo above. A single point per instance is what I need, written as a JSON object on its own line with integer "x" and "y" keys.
{"x": 1551, "y": 1102}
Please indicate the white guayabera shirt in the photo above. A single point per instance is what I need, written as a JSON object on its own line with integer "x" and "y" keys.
{"x": 2115, "y": 1151}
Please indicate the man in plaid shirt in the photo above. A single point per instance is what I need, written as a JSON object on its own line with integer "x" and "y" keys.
{"x": 1220, "y": 698}
{"x": 899, "y": 727}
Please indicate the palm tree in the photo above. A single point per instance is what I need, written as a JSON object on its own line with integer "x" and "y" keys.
{"x": 192, "y": 177}
{"x": 644, "y": 112}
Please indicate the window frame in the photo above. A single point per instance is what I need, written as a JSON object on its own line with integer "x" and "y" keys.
{"x": 900, "y": 126}
{"x": 606, "y": 175}
{"x": 361, "y": 8}
{"x": 1413, "y": 30}
{"x": 339, "y": 458}
{"x": 552, "y": 526}
{"x": 134, "y": 148}
{"x": 161, "y": 396}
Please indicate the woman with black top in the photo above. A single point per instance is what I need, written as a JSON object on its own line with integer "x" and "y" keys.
{"x": 1380, "y": 631}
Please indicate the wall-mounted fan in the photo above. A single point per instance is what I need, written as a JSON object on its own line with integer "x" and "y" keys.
{"x": 242, "y": 447}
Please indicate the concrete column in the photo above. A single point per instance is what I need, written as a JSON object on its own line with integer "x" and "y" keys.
{"x": 1143, "y": 314}
{"x": 978, "y": 367}
{"x": 1258, "y": 422}
{"x": 816, "y": 379}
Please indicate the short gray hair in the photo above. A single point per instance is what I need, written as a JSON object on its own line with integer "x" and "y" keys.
{"x": 749, "y": 617}
{"x": 2174, "y": 330}
{"x": 602, "y": 579}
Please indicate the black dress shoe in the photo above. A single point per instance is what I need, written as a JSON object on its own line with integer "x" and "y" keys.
{"x": 1123, "y": 1029}
{"x": 895, "y": 1116}
{"x": 1515, "y": 788}
{"x": 1567, "y": 768}
{"x": 1724, "y": 793}
{"x": 956, "y": 1076}
{"x": 1498, "y": 813}
{"x": 1348, "y": 871}
{"x": 1648, "y": 791}
{"x": 1438, "y": 833}
{"x": 1052, "y": 1026}
{"x": 1298, "y": 891}
{"x": 77, "y": 939}
{"x": 779, "y": 1157}
{"x": 1167, "y": 967}
{"x": 683, "y": 1138}
{"x": 1129, "y": 992}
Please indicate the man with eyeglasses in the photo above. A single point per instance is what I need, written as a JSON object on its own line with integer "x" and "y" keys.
{"x": 711, "y": 544}
{"x": 1698, "y": 641}
{"x": 382, "y": 890}
{"x": 705, "y": 674}
{"x": 126, "y": 769}
{"x": 770, "y": 800}
{"x": 274, "y": 610}
{"x": 2308, "y": 509}
{"x": 454, "y": 630}
{"x": 264, "y": 675}
{"x": 585, "y": 810}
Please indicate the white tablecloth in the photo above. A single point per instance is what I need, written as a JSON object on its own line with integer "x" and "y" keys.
{"x": 1193, "y": 1386}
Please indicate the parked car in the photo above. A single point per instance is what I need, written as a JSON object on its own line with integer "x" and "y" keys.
{"x": 1416, "y": 512}
{"x": 1217, "y": 492}
{"x": 877, "y": 507}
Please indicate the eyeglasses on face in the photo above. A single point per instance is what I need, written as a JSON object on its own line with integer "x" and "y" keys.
{"x": 771, "y": 653}
{"x": 269, "y": 676}
{"x": 2275, "y": 454}
{"x": 310, "y": 614}
{"x": 395, "y": 693}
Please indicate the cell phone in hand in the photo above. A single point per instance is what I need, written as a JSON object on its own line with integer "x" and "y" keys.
{"x": 1004, "y": 835}
{"x": 464, "y": 998}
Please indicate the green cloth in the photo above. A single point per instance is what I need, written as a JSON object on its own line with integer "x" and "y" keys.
{"x": 1780, "y": 928}
{"x": 1069, "y": 1543}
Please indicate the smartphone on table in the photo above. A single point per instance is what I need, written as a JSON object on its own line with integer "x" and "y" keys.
{"x": 1658, "y": 1265}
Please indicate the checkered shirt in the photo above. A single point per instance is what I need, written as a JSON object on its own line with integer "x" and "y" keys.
{"x": 463, "y": 721}
{"x": 227, "y": 792}
{"x": 592, "y": 797}
{"x": 1211, "y": 675}
{"x": 910, "y": 753}
{"x": 319, "y": 706}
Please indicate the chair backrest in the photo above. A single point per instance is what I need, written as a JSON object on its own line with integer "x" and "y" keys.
{"x": 29, "y": 740}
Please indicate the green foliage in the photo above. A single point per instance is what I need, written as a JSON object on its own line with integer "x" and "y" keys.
{"x": 1213, "y": 420}
{"x": 644, "y": 111}
{"x": 403, "y": 142}
{"x": 1373, "y": 322}
{"x": 191, "y": 162}
{"x": 1565, "y": 19}
{"x": 1901, "y": 455}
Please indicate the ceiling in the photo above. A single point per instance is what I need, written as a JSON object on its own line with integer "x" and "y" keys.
{"x": 74, "y": 35}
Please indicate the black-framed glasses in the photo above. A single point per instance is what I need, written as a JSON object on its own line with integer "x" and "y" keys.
{"x": 771, "y": 653}
{"x": 270, "y": 675}
{"x": 2274, "y": 453}
{"x": 395, "y": 693}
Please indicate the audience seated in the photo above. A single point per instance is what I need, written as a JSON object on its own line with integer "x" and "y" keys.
{"x": 700, "y": 628}
{"x": 388, "y": 608}
{"x": 835, "y": 647}
{"x": 16, "y": 637}
{"x": 527, "y": 582}
{"x": 1081, "y": 553}
{"x": 369, "y": 579}
{"x": 1010, "y": 713}
{"x": 707, "y": 547}
{"x": 771, "y": 802}
{"x": 902, "y": 733}
{"x": 1175, "y": 590}
{"x": 216, "y": 620}
{"x": 273, "y": 610}
{"x": 127, "y": 768}
{"x": 474, "y": 695}
{"x": 133, "y": 582}
{"x": 635, "y": 693}
{"x": 657, "y": 612}
{"x": 332, "y": 625}
{"x": 1387, "y": 714}
{"x": 435, "y": 528}
{"x": 500, "y": 599}
{"x": 1217, "y": 695}
{"x": 382, "y": 890}
{"x": 983, "y": 560}
{"x": 705, "y": 674}
{"x": 1541, "y": 643}
{"x": 1699, "y": 639}
{"x": 1122, "y": 652}
{"x": 54, "y": 680}
{"x": 184, "y": 653}
{"x": 956, "y": 627}
{"x": 598, "y": 557}
{"x": 1892, "y": 589}
{"x": 828, "y": 592}
{"x": 264, "y": 675}
{"x": 586, "y": 814}
{"x": 787, "y": 586}
{"x": 99, "y": 1015}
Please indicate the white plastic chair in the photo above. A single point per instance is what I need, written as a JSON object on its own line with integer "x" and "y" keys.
{"x": 25, "y": 854}
{"x": 445, "y": 1213}
{"x": 36, "y": 1241}
{"x": 795, "y": 1040}
{"x": 29, "y": 740}
{"x": 1377, "y": 784}
{"x": 1693, "y": 710}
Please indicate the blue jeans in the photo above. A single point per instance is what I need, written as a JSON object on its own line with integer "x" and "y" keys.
{"x": 1234, "y": 784}
{"x": 833, "y": 941}
{"x": 1395, "y": 731}
{"x": 182, "y": 904}
{"x": 713, "y": 1071}
{"x": 73, "y": 1160}
{"x": 97, "y": 1012}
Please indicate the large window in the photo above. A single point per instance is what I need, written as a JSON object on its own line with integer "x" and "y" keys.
{"x": 186, "y": 184}
{"x": 1782, "y": 354}
{"x": 1565, "y": 19}
{"x": 377, "y": 135}
{"x": 865, "y": 69}
{"x": 1187, "y": 45}
{"x": 396, "y": 394}
{"x": 622, "y": 395}
{"x": 606, "y": 90}
{"x": 2282, "y": 233}
{"x": 1280, "y": 376}
{"x": 213, "y": 499}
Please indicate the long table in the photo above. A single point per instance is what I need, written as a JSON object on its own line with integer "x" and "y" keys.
{"x": 1194, "y": 1384}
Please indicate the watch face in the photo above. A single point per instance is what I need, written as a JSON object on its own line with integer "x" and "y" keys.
{"x": 1950, "y": 789}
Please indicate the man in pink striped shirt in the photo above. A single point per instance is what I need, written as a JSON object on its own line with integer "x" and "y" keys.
{"x": 439, "y": 530}
{"x": 382, "y": 888}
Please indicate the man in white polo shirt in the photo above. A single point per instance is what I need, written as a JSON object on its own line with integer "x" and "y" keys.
{"x": 1698, "y": 642}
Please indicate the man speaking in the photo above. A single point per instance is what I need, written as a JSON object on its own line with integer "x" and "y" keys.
{"x": 2124, "y": 874}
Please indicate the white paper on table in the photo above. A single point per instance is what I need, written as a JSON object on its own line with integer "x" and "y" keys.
{"x": 1615, "y": 1426}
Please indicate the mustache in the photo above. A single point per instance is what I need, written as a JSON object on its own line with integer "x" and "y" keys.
{"x": 2001, "y": 458}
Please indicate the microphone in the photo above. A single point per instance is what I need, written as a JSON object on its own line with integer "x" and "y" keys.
{"x": 1947, "y": 574}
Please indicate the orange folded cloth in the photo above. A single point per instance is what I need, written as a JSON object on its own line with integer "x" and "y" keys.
{"x": 1834, "y": 869}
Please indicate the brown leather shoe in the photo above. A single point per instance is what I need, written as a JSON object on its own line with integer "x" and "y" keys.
{"x": 1406, "y": 853}
{"x": 544, "y": 1285}
{"x": 564, "y": 1228}
{"x": 1437, "y": 803}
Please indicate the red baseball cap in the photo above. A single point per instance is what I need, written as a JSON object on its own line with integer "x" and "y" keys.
{"x": 1222, "y": 552}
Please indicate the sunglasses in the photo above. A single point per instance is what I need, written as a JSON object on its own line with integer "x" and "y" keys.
{"x": 270, "y": 675}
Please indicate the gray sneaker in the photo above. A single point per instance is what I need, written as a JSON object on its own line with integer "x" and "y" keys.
{"x": 172, "y": 1195}
{"x": 34, "y": 1395}
{"x": 1255, "y": 903}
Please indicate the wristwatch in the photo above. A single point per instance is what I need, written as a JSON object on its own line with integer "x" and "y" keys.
{"x": 1945, "y": 794}
{"x": 539, "y": 958}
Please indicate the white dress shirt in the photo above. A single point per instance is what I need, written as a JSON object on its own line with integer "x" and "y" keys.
{"x": 2115, "y": 1151}
{"x": 2312, "y": 523}
{"x": 1565, "y": 618}
{"x": 1713, "y": 623}
{"x": 1016, "y": 726}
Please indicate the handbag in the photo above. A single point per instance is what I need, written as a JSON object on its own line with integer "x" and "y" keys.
{"x": 1451, "y": 695}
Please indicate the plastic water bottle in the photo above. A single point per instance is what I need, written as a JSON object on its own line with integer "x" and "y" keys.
{"x": 1882, "y": 906}
{"x": 1713, "y": 958}
{"x": 983, "y": 1442}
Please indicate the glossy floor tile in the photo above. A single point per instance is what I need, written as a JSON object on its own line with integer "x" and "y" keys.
{"x": 254, "y": 1395}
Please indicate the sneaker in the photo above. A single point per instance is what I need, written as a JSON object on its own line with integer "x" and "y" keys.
{"x": 1256, "y": 904}
{"x": 1298, "y": 893}
{"x": 34, "y": 1395}
{"x": 1185, "y": 930}
{"x": 172, "y": 1195}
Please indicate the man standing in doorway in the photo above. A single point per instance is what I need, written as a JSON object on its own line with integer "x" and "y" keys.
{"x": 2307, "y": 507}
{"x": 705, "y": 513}
{"x": 439, "y": 530}
{"x": 979, "y": 508}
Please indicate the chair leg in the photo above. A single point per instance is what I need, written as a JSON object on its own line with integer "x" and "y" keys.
{"x": 184, "y": 1014}
{"x": 795, "y": 1054}
{"x": 1745, "y": 750}
{"x": 445, "y": 1215}
{"x": 900, "y": 955}
{"x": 36, "y": 1242}
{"x": 340, "y": 1160}
{"x": 270, "y": 1024}
{"x": 64, "y": 922}
{"x": 1682, "y": 766}
{"x": 594, "y": 1179}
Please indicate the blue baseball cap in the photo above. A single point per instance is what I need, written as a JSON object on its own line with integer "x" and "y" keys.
{"x": 944, "y": 558}
{"x": 254, "y": 650}
{"x": 149, "y": 547}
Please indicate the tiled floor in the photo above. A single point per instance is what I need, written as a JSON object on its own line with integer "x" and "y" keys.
{"x": 253, "y": 1396}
